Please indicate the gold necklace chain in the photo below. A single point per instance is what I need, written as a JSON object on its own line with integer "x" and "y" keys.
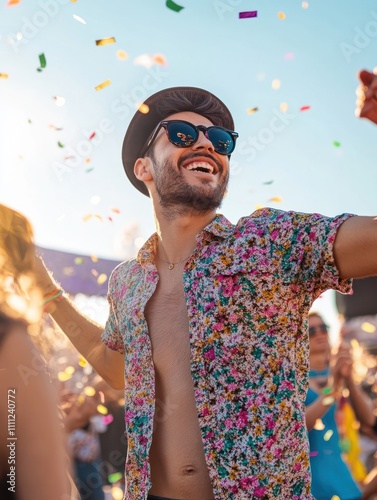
{"x": 173, "y": 264}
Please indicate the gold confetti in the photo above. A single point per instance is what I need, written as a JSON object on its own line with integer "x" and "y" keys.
{"x": 117, "y": 493}
{"x": 122, "y": 55}
{"x": 70, "y": 370}
{"x": 368, "y": 327}
{"x": 63, "y": 377}
{"x": 82, "y": 362}
{"x": 159, "y": 59}
{"x": 102, "y": 278}
{"x": 103, "y": 85}
{"x": 328, "y": 435}
{"x": 89, "y": 391}
{"x": 252, "y": 110}
{"x": 106, "y": 41}
{"x": 13, "y": 2}
{"x": 335, "y": 497}
{"x": 283, "y": 107}
{"x": 94, "y": 258}
{"x": 281, "y": 15}
{"x": 276, "y": 84}
{"x": 276, "y": 199}
{"x": 4, "y": 75}
{"x": 143, "y": 108}
{"x": 102, "y": 410}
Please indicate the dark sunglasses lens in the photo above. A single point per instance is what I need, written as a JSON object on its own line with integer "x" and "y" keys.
{"x": 182, "y": 134}
{"x": 313, "y": 329}
{"x": 222, "y": 141}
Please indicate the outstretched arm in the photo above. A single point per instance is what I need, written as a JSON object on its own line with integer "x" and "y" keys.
{"x": 84, "y": 333}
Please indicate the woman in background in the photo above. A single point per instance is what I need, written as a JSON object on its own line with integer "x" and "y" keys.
{"x": 33, "y": 458}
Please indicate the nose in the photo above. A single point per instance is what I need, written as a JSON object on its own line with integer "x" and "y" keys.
{"x": 203, "y": 142}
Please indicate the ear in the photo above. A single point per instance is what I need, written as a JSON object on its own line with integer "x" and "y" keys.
{"x": 142, "y": 169}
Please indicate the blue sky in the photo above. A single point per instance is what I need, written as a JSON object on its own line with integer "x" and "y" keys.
{"x": 287, "y": 160}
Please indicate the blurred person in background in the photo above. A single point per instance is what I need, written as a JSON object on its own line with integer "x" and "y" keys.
{"x": 329, "y": 375}
{"x": 35, "y": 465}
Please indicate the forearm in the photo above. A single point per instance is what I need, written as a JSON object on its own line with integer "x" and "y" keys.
{"x": 318, "y": 409}
{"x": 360, "y": 403}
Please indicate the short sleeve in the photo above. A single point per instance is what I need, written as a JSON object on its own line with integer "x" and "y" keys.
{"x": 111, "y": 336}
{"x": 305, "y": 243}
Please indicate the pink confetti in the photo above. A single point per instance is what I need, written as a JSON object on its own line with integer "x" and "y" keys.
{"x": 93, "y": 134}
{"x": 247, "y": 14}
{"x": 289, "y": 56}
{"x": 304, "y": 108}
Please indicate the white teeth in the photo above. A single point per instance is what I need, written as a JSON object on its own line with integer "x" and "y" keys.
{"x": 201, "y": 166}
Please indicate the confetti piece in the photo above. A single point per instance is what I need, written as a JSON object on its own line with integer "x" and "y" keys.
{"x": 79, "y": 19}
{"x": 89, "y": 170}
{"x": 115, "y": 210}
{"x": 102, "y": 410}
{"x": 113, "y": 478}
{"x": 313, "y": 453}
{"x": 276, "y": 84}
{"x": 173, "y": 6}
{"x": 276, "y": 199}
{"x": 89, "y": 391}
{"x": 94, "y": 258}
{"x": 281, "y": 15}
{"x": 252, "y": 110}
{"x": 117, "y": 493}
{"x": 368, "y": 327}
{"x": 73, "y": 1}
{"x": 78, "y": 260}
{"x": 13, "y": 2}
{"x": 144, "y": 60}
{"x": 143, "y": 108}
{"x": 305, "y": 5}
{"x": 106, "y": 41}
{"x": 87, "y": 161}
{"x": 102, "y": 278}
{"x": 94, "y": 272}
{"x": 103, "y": 85}
{"x": 70, "y": 370}
{"x": 319, "y": 425}
{"x": 60, "y": 144}
{"x": 42, "y": 62}
{"x": 94, "y": 200}
{"x": 335, "y": 497}
{"x": 54, "y": 127}
{"x": 248, "y": 14}
{"x": 283, "y": 107}
{"x": 336, "y": 144}
{"x": 328, "y": 435}
{"x": 4, "y": 75}
{"x": 82, "y": 362}
{"x": 160, "y": 59}
{"x": 122, "y": 55}
{"x": 289, "y": 56}
{"x": 267, "y": 183}
{"x": 107, "y": 419}
{"x": 59, "y": 100}
{"x": 304, "y": 108}
{"x": 63, "y": 377}
{"x": 93, "y": 134}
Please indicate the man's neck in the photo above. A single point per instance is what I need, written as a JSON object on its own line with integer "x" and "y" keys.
{"x": 177, "y": 237}
{"x": 318, "y": 361}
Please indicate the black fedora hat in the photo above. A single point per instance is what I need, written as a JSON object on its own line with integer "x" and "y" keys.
{"x": 160, "y": 106}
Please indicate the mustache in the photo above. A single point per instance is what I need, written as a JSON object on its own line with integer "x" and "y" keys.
{"x": 189, "y": 156}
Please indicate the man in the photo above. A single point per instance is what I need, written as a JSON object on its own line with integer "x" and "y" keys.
{"x": 208, "y": 321}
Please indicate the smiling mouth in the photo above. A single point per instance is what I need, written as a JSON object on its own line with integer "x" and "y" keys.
{"x": 200, "y": 166}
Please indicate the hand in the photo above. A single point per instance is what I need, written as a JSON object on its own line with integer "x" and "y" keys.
{"x": 366, "y": 103}
{"x": 342, "y": 366}
{"x": 42, "y": 276}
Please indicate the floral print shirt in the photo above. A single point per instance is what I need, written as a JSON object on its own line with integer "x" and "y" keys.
{"x": 248, "y": 289}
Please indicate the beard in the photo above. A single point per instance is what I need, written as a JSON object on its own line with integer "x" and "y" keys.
{"x": 178, "y": 197}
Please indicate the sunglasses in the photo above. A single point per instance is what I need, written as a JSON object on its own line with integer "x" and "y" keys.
{"x": 184, "y": 134}
{"x": 320, "y": 328}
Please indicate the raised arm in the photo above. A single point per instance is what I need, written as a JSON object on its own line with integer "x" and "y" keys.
{"x": 84, "y": 333}
{"x": 355, "y": 248}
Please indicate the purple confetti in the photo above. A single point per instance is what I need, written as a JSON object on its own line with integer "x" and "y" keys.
{"x": 250, "y": 13}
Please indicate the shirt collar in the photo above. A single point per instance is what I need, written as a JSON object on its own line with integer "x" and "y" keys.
{"x": 220, "y": 226}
